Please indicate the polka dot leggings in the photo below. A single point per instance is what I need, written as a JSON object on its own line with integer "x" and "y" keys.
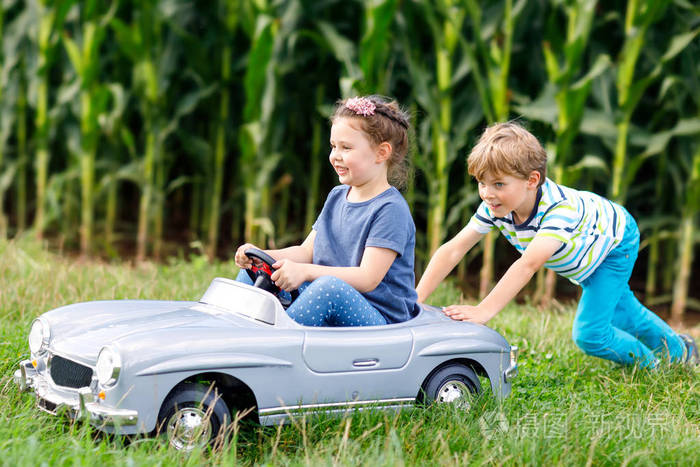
{"x": 329, "y": 301}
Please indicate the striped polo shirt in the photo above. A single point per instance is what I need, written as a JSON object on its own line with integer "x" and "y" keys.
{"x": 588, "y": 226}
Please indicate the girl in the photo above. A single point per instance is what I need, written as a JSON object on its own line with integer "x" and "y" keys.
{"x": 355, "y": 268}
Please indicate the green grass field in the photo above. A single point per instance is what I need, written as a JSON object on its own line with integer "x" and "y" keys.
{"x": 565, "y": 408}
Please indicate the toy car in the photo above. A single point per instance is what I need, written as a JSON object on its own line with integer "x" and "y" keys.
{"x": 141, "y": 366}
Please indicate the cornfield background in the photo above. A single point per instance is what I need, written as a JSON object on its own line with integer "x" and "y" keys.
{"x": 158, "y": 127}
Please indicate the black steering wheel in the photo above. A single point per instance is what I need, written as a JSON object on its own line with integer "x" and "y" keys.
{"x": 261, "y": 275}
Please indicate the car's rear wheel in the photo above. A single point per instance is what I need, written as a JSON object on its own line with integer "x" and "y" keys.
{"x": 192, "y": 416}
{"x": 452, "y": 384}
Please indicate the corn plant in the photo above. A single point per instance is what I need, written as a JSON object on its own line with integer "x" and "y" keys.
{"x": 688, "y": 238}
{"x": 139, "y": 42}
{"x": 375, "y": 54}
{"x": 22, "y": 157}
{"x": 84, "y": 56}
{"x": 684, "y": 170}
{"x": 259, "y": 137}
{"x": 151, "y": 44}
{"x": 447, "y": 99}
{"x": 229, "y": 12}
{"x": 367, "y": 66}
{"x": 3, "y": 221}
{"x": 11, "y": 36}
{"x": 367, "y": 69}
{"x": 312, "y": 196}
{"x": 680, "y": 89}
{"x": 433, "y": 92}
{"x": 136, "y": 42}
{"x": 491, "y": 69}
{"x": 562, "y": 102}
{"x": 114, "y": 166}
{"x": 640, "y": 16}
{"x": 47, "y": 19}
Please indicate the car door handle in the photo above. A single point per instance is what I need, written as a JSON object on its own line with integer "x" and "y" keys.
{"x": 365, "y": 363}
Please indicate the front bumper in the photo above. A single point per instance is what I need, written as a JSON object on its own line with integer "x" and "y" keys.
{"x": 80, "y": 403}
{"x": 512, "y": 371}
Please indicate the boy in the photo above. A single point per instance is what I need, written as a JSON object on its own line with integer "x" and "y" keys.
{"x": 578, "y": 234}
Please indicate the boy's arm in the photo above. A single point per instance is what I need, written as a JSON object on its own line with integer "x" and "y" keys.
{"x": 515, "y": 278}
{"x": 445, "y": 259}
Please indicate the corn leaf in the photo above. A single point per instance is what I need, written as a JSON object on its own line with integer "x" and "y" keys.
{"x": 543, "y": 109}
{"x": 73, "y": 54}
{"x": 678, "y": 44}
{"x": 602, "y": 63}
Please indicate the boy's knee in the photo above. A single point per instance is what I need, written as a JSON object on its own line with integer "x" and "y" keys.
{"x": 591, "y": 341}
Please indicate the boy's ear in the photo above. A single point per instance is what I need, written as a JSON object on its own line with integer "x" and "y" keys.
{"x": 534, "y": 179}
{"x": 384, "y": 151}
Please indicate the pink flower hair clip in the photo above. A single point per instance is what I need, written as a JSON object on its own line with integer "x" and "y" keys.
{"x": 361, "y": 106}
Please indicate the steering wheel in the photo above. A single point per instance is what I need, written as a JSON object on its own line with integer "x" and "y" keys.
{"x": 261, "y": 275}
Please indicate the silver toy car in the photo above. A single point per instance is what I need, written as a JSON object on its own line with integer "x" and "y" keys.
{"x": 140, "y": 366}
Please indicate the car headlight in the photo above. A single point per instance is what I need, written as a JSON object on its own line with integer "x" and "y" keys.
{"x": 39, "y": 337}
{"x": 109, "y": 364}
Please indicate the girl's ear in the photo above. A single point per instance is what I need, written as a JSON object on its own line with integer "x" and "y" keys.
{"x": 384, "y": 151}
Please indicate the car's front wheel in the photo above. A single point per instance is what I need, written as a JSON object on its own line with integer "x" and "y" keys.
{"x": 452, "y": 384}
{"x": 192, "y": 416}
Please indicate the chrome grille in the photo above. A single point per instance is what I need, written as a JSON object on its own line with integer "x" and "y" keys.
{"x": 70, "y": 374}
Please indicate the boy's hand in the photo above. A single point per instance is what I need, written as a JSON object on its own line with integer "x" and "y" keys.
{"x": 289, "y": 275}
{"x": 469, "y": 313}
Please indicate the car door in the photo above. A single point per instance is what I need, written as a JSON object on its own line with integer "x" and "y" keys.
{"x": 351, "y": 364}
{"x": 335, "y": 350}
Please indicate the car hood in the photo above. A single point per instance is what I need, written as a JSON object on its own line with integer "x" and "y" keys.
{"x": 81, "y": 330}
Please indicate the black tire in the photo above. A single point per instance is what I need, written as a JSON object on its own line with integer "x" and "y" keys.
{"x": 192, "y": 416}
{"x": 452, "y": 384}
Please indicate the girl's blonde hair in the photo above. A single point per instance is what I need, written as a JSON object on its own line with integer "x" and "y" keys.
{"x": 507, "y": 149}
{"x": 381, "y": 120}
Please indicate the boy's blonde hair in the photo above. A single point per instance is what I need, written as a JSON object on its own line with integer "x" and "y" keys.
{"x": 507, "y": 149}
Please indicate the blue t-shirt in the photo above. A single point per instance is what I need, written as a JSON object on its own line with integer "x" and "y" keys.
{"x": 345, "y": 229}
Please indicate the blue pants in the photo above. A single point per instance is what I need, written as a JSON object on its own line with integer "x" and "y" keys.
{"x": 329, "y": 301}
{"x": 611, "y": 323}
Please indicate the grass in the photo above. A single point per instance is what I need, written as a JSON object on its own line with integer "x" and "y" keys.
{"x": 565, "y": 408}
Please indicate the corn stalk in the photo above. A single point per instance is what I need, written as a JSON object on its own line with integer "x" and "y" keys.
{"x": 12, "y": 33}
{"x": 640, "y": 16}
{"x": 49, "y": 17}
{"x": 260, "y": 134}
{"x": 688, "y": 228}
{"x": 152, "y": 48}
{"x": 312, "y": 196}
{"x": 491, "y": 68}
{"x": 687, "y": 239}
{"x": 447, "y": 101}
{"x": 229, "y": 11}
{"x": 562, "y": 103}
{"x": 375, "y": 58}
{"x": 3, "y": 219}
{"x": 85, "y": 58}
{"x": 140, "y": 41}
{"x": 433, "y": 92}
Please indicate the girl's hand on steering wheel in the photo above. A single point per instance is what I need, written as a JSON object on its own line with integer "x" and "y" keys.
{"x": 288, "y": 275}
{"x": 242, "y": 261}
